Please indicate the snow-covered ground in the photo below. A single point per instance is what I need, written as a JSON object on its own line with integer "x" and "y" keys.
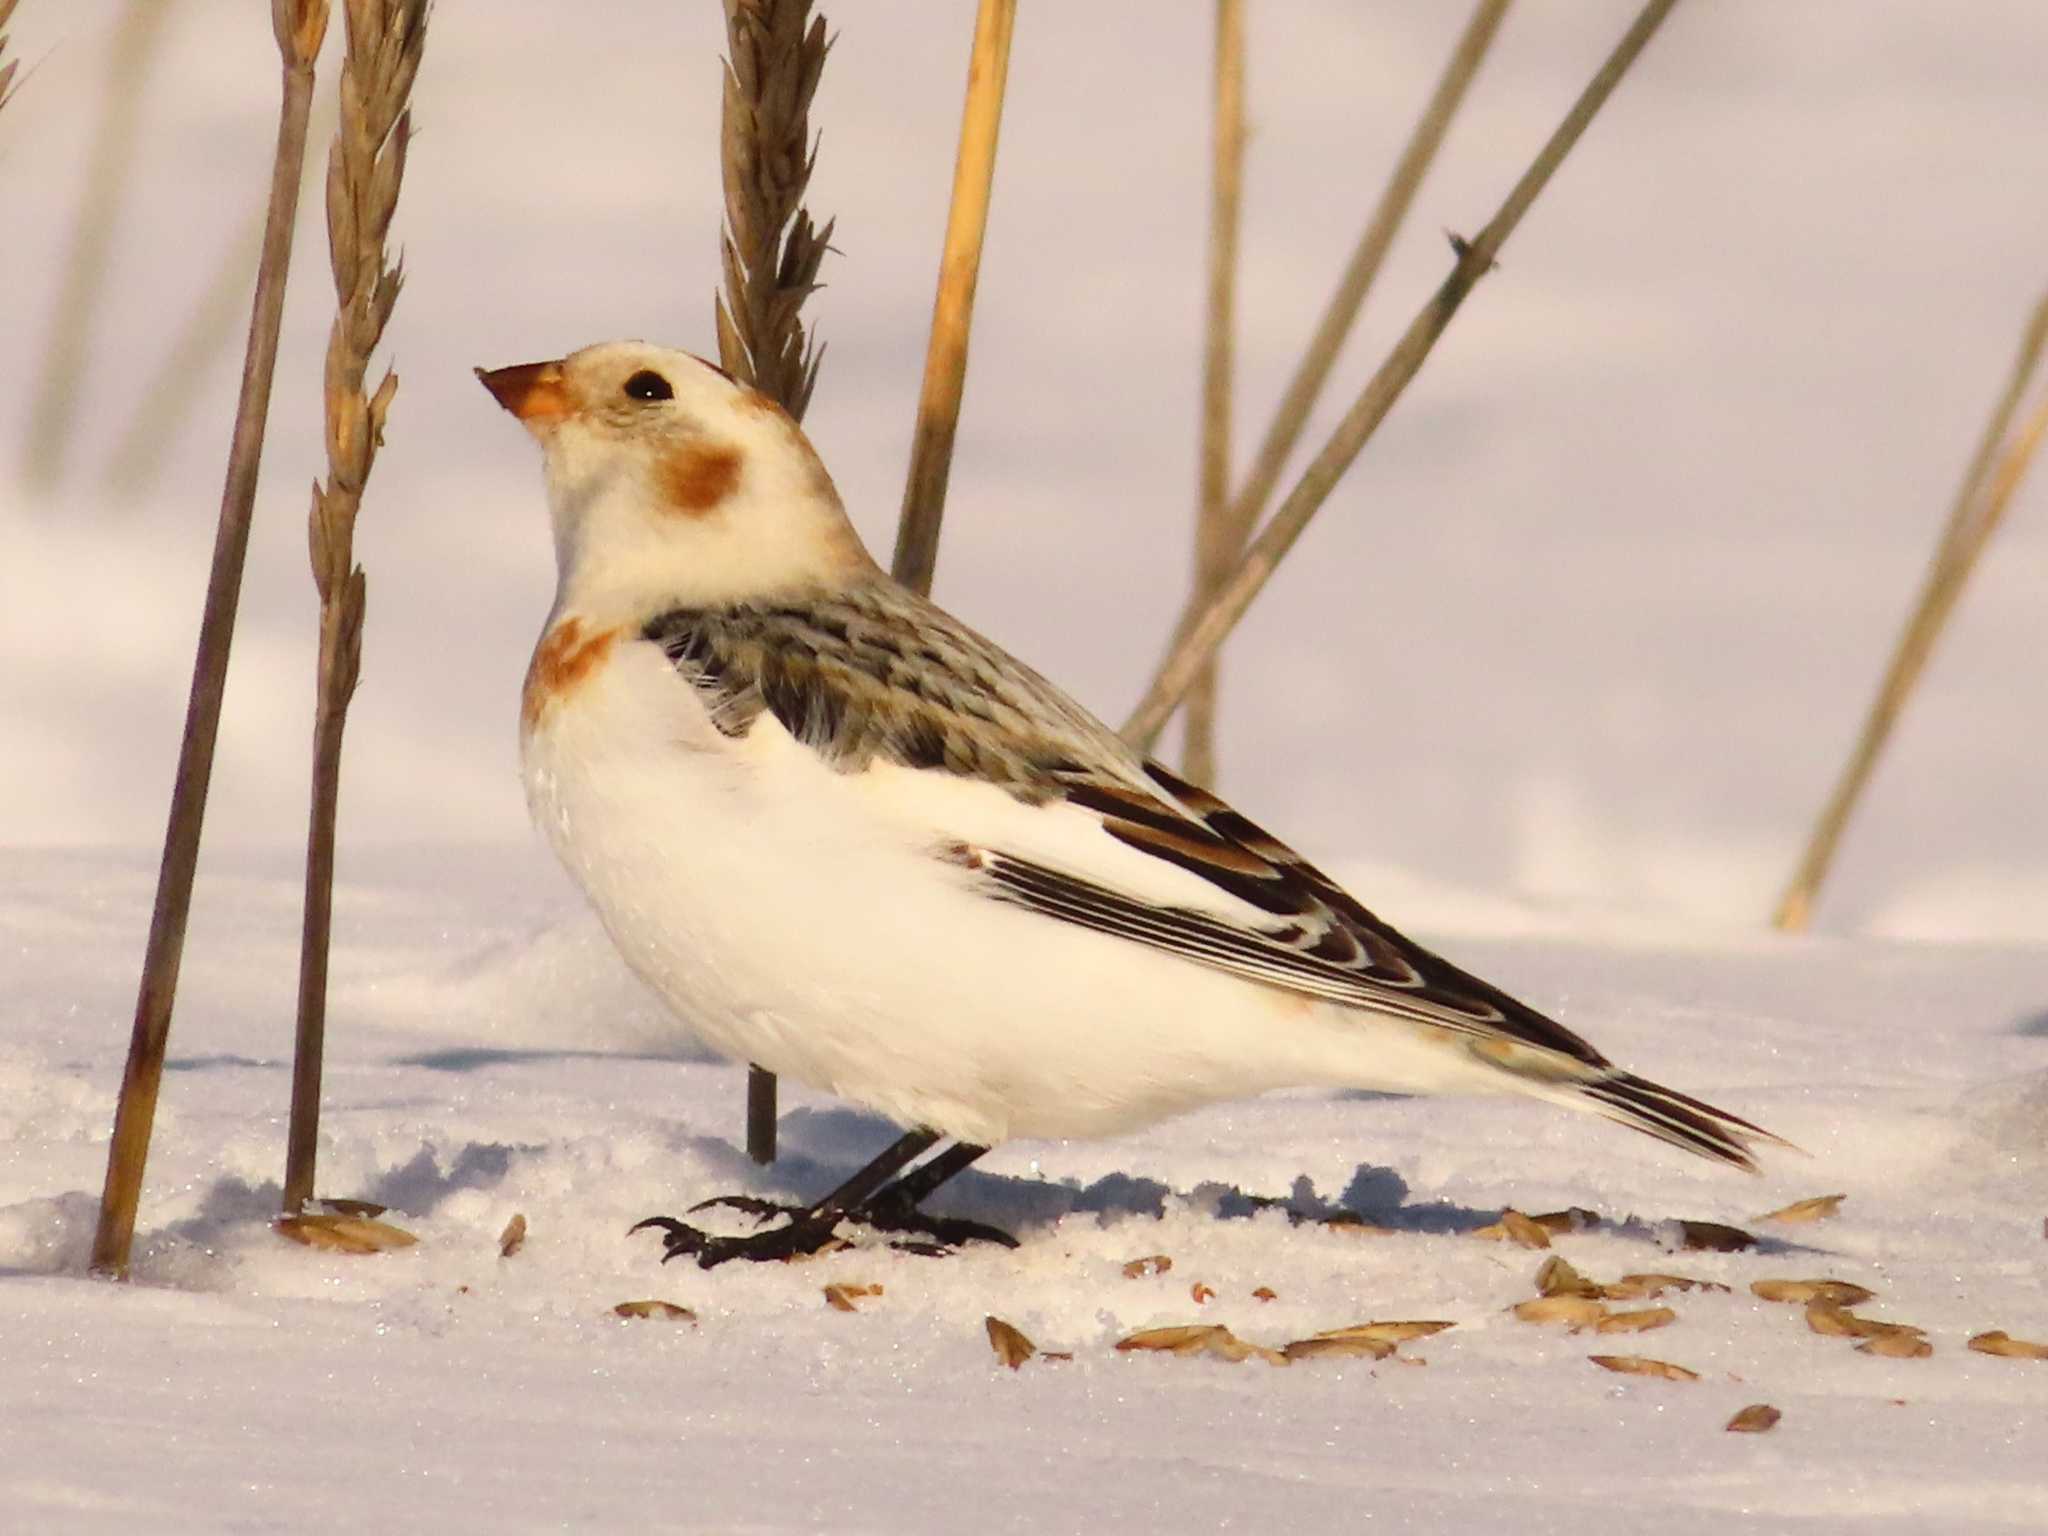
{"x": 1555, "y": 682}
{"x": 488, "y": 1059}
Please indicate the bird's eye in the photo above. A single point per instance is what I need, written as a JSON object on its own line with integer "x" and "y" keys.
{"x": 649, "y": 385}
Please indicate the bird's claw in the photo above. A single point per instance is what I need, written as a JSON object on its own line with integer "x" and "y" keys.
{"x": 751, "y": 1205}
{"x": 806, "y": 1233}
{"x": 798, "y": 1239}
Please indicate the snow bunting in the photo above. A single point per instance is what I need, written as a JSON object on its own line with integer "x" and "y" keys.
{"x": 848, "y": 838}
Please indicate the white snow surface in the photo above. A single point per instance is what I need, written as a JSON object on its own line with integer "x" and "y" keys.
{"x": 488, "y": 1056}
{"x": 1555, "y": 682}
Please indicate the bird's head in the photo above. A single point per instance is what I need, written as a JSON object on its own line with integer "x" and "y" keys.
{"x": 671, "y": 482}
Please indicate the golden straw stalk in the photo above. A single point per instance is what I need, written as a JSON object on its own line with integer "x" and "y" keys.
{"x": 1975, "y": 514}
{"x": 772, "y": 251}
{"x": 299, "y": 25}
{"x": 945, "y": 359}
{"x": 365, "y": 167}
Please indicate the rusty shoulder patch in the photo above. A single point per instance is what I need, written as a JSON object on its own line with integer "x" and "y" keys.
{"x": 698, "y": 476}
{"x": 565, "y": 658}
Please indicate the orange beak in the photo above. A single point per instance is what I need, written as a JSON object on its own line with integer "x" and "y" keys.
{"x": 533, "y": 392}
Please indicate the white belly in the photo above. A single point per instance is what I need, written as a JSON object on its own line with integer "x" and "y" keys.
{"x": 799, "y": 918}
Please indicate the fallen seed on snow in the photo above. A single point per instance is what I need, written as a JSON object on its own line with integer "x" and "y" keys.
{"x": 1714, "y": 1237}
{"x": 353, "y": 1207}
{"x": 513, "y": 1238}
{"x": 1011, "y": 1347}
{"x": 1151, "y": 1264}
{"x": 1824, "y": 1317}
{"x": 1199, "y": 1339}
{"x": 1999, "y": 1342}
{"x": 1636, "y": 1322}
{"x": 1756, "y": 1419}
{"x": 1389, "y": 1334}
{"x": 1642, "y": 1365}
{"x": 1202, "y": 1293}
{"x": 1574, "y": 1218}
{"x": 654, "y": 1308}
{"x": 1901, "y": 1344}
{"x": 1515, "y": 1228}
{"x": 1834, "y": 1293}
{"x": 1356, "y": 1225}
{"x": 1819, "y": 1208}
{"x": 1649, "y": 1287}
{"x": 1342, "y": 1348}
{"x": 841, "y": 1298}
{"x": 1265, "y": 1293}
{"x": 344, "y": 1234}
{"x": 1558, "y": 1278}
{"x": 1574, "y": 1312}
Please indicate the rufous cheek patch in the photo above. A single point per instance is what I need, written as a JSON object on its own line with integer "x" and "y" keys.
{"x": 698, "y": 476}
{"x": 566, "y": 658}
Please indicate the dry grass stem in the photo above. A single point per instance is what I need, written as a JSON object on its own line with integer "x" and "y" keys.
{"x": 300, "y": 25}
{"x": 1219, "y": 535}
{"x": 945, "y": 360}
{"x": 1204, "y": 625}
{"x": 1975, "y": 514}
{"x": 1341, "y": 313}
{"x": 365, "y": 167}
{"x": 771, "y": 251}
{"x": 53, "y": 401}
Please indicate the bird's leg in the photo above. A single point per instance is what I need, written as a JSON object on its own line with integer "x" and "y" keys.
{"x": 895, "y": 1208}
{"x": 808, "y": 1230}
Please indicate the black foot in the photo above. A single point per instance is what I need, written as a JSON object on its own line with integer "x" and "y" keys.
{"x": 805, "y": 1232}
{"x": 799, "y": 1238}
{"x": 886, "y": 1214}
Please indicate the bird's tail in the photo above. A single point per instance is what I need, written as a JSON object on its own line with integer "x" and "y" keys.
{"x": 1671, "y": 1116}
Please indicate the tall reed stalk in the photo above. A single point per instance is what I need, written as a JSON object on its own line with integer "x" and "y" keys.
{"x": 945, "y": 358}
{"x": 1979, "y": 507}
{"x": 365, "y": 168}
{"x": 771, "y": 250}
{"x": 1219, "y": 531}
{"x": 299, "y": 26}
{"x": 1206, "y": 622}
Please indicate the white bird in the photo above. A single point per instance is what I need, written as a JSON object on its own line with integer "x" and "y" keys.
{"x": 846, "y": 837}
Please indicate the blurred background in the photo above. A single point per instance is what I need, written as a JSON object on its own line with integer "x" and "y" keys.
{"x": 1589, "y": 625}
